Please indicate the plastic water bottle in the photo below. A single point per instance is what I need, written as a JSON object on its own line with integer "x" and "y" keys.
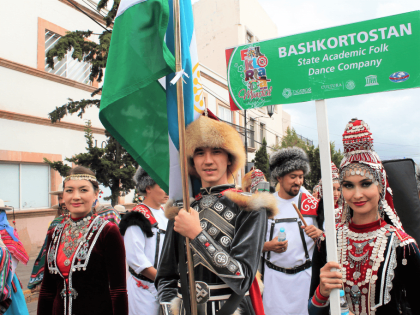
{"x": 281, "y": 237}
{"x": 343, "y": 304}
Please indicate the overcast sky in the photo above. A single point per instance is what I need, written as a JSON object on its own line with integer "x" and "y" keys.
{"x": 393, "y": 117}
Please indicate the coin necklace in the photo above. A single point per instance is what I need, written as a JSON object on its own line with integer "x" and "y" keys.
{"x": 74, "y": 233}
{"x": 356, "y": 286}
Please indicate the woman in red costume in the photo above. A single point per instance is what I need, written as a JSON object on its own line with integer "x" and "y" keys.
{"x": 338, "y": 205}
{"x": 378, "y": 263}
{"x": 85, "y": 268}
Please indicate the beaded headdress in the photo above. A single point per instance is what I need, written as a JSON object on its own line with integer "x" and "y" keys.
{"x": 335, "y": 178}
{"x": 361, "y": 159}
{"x": 251, "y": 180}
{"x": 256, "y": 178}
{"x": 80, "y": 177}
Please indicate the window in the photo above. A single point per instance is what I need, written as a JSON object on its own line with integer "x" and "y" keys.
{"x": 225, "y": 114}
{"x": 277, "y": 140}
{"x": 67, "y": 67}
{"x": 262, "y": 132}
{"x": 252, "y": 133}
{"x": 249, "y": 37}
{"x": 25, "y": 186}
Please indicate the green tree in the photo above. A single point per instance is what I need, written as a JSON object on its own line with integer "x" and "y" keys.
{"x": 88, "y": 51}
{"x": 315, "y": 161}
{"x": 261, "y": 159}
{"x": 113, "y": 166}
{"x": 292, "y": 139}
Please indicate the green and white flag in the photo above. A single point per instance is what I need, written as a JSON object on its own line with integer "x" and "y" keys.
{"x": 138, "y": 105}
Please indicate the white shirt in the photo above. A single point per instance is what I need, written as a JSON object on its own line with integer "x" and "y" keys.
{"x": 295, "y": 253}
{"x": 287, "y": 294}
{"x": 140, "y": 249}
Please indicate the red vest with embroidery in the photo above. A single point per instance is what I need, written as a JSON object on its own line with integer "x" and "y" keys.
{"x": 146, "y": 212}
{"x": 308, "y": 205}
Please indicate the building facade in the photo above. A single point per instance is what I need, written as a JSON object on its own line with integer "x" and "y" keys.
{"x": 29, "y": 90}
{"x": 221, "y": 24}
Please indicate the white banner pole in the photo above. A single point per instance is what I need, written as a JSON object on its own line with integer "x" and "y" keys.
{"x": 327, "y": 191}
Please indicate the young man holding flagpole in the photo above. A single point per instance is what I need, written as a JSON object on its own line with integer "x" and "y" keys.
{"x": 226, "y": 228}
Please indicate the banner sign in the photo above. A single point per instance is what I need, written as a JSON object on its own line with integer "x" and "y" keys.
{"x": 365, "y": 57}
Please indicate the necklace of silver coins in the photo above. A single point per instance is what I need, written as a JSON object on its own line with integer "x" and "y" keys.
{"x": 71, "y": 235}
{"x": 361, "y": 255}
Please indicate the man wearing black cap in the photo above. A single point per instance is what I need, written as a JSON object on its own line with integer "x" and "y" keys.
{"x": 288, "y": 263}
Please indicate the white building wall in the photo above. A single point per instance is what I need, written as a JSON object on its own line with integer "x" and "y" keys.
{"x": 19, "y": 25}
{"x": 34, "y": 97}
{"x": 22, "y": 136}
{"x": 30, "y": 95}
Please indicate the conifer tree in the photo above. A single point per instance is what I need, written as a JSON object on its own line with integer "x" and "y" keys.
{"x": 113, "y": 166}
{"x": 261, "y": 160}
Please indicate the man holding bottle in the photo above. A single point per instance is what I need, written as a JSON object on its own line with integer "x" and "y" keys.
{"x": 287, "y": 263}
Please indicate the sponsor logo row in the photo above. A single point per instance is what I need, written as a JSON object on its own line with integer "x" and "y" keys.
{"x": 371, "y": 80}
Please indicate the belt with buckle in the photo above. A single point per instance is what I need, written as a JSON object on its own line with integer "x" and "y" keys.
{"x": 290, "y": 271}
{"x": 206, "y": 292}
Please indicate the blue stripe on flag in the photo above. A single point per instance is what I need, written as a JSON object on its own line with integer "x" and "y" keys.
{"x": 187, "y": 29}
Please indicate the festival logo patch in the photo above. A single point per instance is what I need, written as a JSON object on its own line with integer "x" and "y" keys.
{"x": 254, "y": 76}
{"x": 399, "y": 76}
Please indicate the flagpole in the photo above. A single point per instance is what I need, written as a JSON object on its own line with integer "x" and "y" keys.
{"x": 182, "y": 150}
{"x": 327, "y": 192}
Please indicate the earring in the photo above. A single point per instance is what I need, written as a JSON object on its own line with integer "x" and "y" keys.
{"x": 381, "y": 210}
{"x": 347, "y": 214}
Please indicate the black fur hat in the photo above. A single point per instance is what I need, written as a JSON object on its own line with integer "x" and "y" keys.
{"x": 288, "y": 160}
{"x": 142, "y": 180}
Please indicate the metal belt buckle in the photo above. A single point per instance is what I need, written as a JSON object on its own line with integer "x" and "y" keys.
{"x": 202, "y": 292}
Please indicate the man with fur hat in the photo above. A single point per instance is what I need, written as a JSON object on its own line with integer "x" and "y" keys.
{"x": 287, "y": 264}
{"x": 226, "y": 228}
{"x": 144, "y": 229}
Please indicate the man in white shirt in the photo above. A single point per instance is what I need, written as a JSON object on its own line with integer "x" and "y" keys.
{"x": 144, "y": 229}
{"x": 287, "y": 264}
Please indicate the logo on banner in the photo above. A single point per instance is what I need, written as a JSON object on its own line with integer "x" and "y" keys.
{"x": 254, "y": 76}
{"x": 332, "y": 87}
{"x": 287, "y": 93}
{"x": 371, "y": 80}
{"x": 399, "y": 76}
{"x": 350, "y": 85}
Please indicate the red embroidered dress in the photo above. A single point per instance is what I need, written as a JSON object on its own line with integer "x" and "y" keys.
{"x": 86, "y": 269}
{"x": 381, "y": 270}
